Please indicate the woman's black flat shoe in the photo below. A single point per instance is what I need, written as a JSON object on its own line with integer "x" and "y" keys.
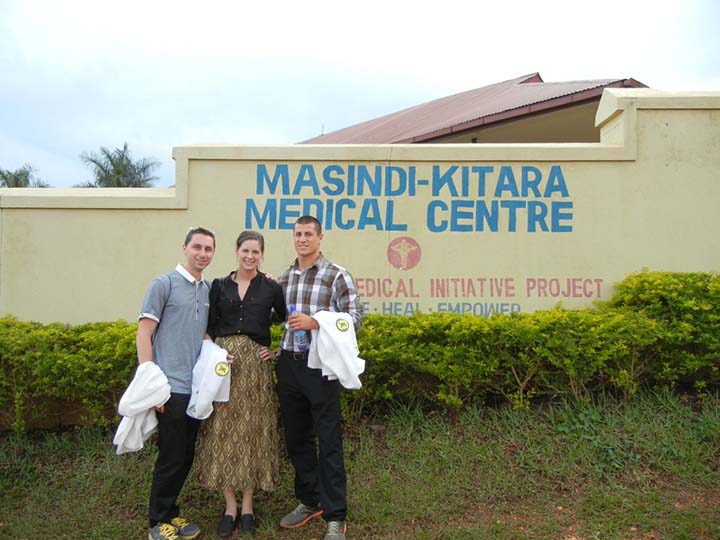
{"x": 226, "y": 525}
{"x": 247, "y": 524}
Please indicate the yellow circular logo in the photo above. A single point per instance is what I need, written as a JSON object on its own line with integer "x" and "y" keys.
{"x": 222, "y": 369}
{"x": 342, "y": 325}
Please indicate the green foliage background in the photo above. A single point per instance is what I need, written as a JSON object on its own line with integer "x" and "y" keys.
{"x": 659, "y": 328}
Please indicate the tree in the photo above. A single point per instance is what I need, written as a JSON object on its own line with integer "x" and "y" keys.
{"x": 22, "y": 177}
{"x": 116, "y": 168}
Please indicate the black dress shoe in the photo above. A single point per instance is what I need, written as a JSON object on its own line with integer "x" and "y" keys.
{"x": 226, "y": 525}
{"x": 247, "y": 524}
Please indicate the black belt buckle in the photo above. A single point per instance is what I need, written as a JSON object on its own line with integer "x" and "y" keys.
{"x": 297, "y": 356}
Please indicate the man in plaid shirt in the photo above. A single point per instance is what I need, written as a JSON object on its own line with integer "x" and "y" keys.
{"x": 309, "y": 402}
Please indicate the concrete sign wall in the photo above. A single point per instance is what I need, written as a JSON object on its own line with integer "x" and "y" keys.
{"x": 478, "y": 229}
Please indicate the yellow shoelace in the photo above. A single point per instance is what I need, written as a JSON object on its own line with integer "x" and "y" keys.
{"x": 180, "y": 522}
{"x": 168, "y": 531}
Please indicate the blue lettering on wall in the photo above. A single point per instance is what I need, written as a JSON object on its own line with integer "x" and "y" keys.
{"x": 306, "y": 179}
{"x": 465, "y": 198}
{"x": 556, "y": 182}
{"x": 531, "y": 177}
{"x": 332, "y": 175}
{"x": 558, "y": 215}
{"x": 506, "y": 182}
{"x": 281, "y": 176}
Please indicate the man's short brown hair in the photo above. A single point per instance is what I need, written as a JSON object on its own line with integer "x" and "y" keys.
{"x": 198, "y": 230}
{"x": 304, "y": 220}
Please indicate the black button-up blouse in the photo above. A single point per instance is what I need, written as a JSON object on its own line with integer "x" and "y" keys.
{"x": 263, "y": 304}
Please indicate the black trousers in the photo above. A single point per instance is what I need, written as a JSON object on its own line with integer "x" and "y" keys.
{"x": 177, "y": 433}
{"x": 310, "y": 410}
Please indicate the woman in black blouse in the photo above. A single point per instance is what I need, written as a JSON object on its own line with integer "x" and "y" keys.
{"x": 238, "y": 448}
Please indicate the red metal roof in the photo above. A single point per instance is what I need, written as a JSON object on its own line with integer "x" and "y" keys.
{"x": 468, "y": 110}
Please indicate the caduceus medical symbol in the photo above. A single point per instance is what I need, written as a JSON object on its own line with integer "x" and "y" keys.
{"x": 403, "y": 248}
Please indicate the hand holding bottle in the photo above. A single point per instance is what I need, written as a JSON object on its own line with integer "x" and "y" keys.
{"x": 299, "y": 323}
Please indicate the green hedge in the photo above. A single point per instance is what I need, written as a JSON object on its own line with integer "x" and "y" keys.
{"x": 658, "y": 329}
{"x": 89, "y": 364}
{"x": 688, "y": 308}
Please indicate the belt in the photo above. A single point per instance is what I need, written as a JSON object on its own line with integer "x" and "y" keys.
{"x": 303, "y": 356}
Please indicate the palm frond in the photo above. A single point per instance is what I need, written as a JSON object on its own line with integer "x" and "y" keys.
{"x": 116, "y": 168}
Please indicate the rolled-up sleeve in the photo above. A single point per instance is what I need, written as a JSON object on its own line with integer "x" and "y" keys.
{"x": 346, "y": 298}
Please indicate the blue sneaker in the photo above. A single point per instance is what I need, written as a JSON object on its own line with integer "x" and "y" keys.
{"x": 185, "y": 529}
{"x": 163, "y": 531}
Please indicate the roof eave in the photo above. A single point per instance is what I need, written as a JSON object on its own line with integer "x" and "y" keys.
{"x": 504, "y": 116}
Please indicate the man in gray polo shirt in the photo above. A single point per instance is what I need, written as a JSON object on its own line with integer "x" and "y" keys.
{"x": 171, "y": 328}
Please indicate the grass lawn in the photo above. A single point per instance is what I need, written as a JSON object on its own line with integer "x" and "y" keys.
{"x": 644, "y": 470}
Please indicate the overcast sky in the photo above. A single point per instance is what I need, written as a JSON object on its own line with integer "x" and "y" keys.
{"x": 78, "y": 75}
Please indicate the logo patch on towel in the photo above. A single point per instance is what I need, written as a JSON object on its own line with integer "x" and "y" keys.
{"x": 342, "y": 325}
{"x": 222, "y": 369}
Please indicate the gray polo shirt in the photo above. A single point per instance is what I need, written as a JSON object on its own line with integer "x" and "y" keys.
{"x": 179, "y": 305}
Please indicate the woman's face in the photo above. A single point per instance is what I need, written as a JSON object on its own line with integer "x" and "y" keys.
{"x": 249, "y": 255}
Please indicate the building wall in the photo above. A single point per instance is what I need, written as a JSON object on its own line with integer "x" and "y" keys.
{"x": 646, "y": 196}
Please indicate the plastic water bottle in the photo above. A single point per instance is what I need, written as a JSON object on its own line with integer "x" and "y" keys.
{"x": 299, "y": 336}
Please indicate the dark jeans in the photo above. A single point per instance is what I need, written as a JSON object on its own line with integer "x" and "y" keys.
{"x": 177, "y": 433}
{"x": 310, "y": 408}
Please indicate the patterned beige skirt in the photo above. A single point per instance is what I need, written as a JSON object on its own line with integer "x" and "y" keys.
{"x": 238, "y": 443}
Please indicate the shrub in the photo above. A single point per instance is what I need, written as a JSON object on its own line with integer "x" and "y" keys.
{"x": 88, "y": 364}
{"x": 660, "y": 328}
{"x": 688, "y": 307}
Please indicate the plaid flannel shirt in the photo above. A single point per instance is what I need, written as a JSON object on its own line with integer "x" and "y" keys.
{"x": 323, "y": 286}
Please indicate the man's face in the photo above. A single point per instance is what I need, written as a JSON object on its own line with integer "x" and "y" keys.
{"x": 307, "y": 240}
{"x": 199, "y": 252}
